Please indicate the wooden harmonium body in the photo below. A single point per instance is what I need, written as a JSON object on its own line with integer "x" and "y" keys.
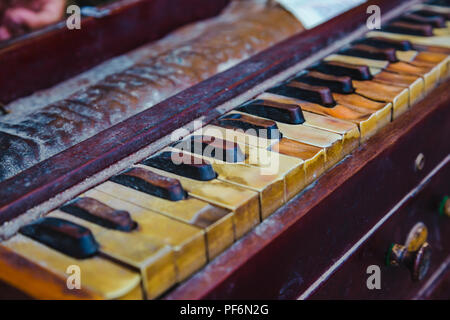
{"x": 303, "y": 179}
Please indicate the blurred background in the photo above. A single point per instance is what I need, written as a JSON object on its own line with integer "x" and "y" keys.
{"x": 18, "y": 17}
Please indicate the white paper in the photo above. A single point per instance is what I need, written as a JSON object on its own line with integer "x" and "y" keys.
{"x": 311, "y": 13}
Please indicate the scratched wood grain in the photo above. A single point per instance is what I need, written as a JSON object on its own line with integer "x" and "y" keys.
{"x": 60, "y": 53}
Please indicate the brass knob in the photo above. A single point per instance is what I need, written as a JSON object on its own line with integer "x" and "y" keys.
{"x": 444, "y": 207}
{"x": 414, "y": 255}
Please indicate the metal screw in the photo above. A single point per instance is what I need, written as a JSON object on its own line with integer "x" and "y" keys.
{"x": 420, "y": 162}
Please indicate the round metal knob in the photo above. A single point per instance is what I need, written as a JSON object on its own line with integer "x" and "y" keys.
{"x": 418, "y": 262}
{"x": 444, "y": 207}
{"x": 414, "y": 255}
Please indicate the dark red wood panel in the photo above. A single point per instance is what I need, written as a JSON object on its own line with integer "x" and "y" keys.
{"x": 306, "y": 236}
{"x": 349, "y": 281}
{"x": 42, "y": 60}
{"x": 69, "y": 167}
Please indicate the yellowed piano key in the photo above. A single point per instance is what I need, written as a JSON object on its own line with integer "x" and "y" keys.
{"x": 441, "y": 60}
{"x": 433, "y": 43}
{"x": 332, "y": 143}
{"x": 290, "y": 169}
{"x": 406, "y": 56}
{"x": 187, "y": 242}
{"x": 441, "y": 32}
{"x": 135, "y": 294}
{"x": 216, "y": 222}
{"x": 438, "y": 41}
{"x": 368, "y": 121}
{"x": 332, "y": 148}
{"x": 379, "y": 64}
{"x": 243, "y": 202}
{"x": 347, "y": 130}
{"x": 313, "y": 157}
{"x": 426, "y": 59}
{"x": 398, "y": 96}
{"x": 414, "y": 83}
{"x": 269, "y": 185}
{"x": 430, "y": 75}
{"x": 297, "y": 170}
{"x": 380, "y": 111}
{"x": 40, "y": 272}
{"x": 152, "y": 257}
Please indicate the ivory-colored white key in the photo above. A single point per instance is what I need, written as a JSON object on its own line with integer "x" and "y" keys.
{"x": 216, "y": 222}
{"x": 336, "y": 145}
{"x": 441, "y": 61}
{"x": 263, "y": 162}
{"x": 243, "y": 202}
{"x": 187, "y": 242}
{"x": 42, "y": 273}
{"x": 329, "y": 141}
{"x": 291, "y": 116}
{"x": 369, "y": 121}
{"x": 439, "y": 41}
{"x": 415, "y": 84}
{"x": 269, "y": 185}
{"x": 430, "y": 75}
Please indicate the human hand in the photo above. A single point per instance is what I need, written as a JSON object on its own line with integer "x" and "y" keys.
{"x": 20, "y": 17}
{"x": 4, "y": 33}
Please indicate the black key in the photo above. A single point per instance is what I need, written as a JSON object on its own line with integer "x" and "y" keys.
{"x": 151, "y": 183}
{"x": 99, "y": 213}
{"x": 435, "y": 21}
{"x": 369, "y": 52}
{"x": 282, "y": 112}
{"x": 182, "y": 164}
{"x": 65, "y": 236}
{"x": 432, "y": 13}
{"x": 213, "y": 147}
{"x": 338, "y": 84}
{"x": 303, "y": 91}
{"x": 380, "y": 42}
{"x": 344, "y": 69}
{"x": 262, "y": 128}
{"x": 440, "y": 3}
{"x": 424, "y": 30}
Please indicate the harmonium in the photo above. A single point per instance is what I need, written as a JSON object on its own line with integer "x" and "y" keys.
{"x": 227, "y": 149}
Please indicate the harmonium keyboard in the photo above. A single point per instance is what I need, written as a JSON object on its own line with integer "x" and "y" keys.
{"x": 242, "y": 156}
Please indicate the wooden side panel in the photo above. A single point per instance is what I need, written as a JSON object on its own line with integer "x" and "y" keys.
{"x": 349, "y": 282}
